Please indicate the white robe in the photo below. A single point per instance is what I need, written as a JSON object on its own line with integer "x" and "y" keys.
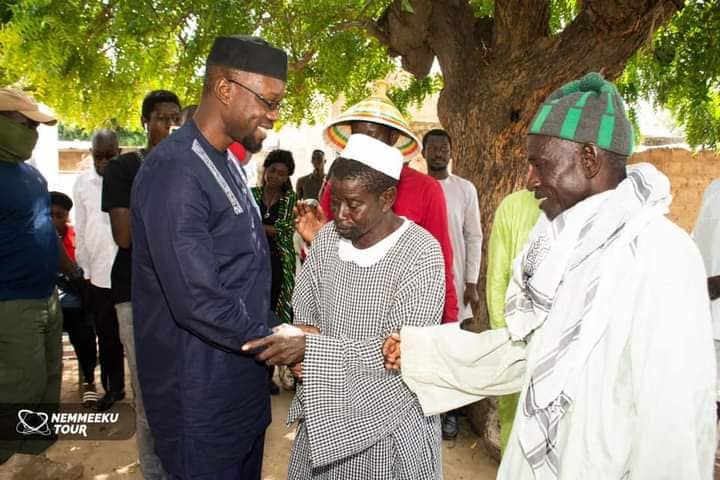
{"x": 465, "y": 235}
{"x": 707, "y": 237}
{"x": 644, "y": 404}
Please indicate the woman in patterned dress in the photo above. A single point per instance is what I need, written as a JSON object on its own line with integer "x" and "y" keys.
{"x": 276, "y": 199}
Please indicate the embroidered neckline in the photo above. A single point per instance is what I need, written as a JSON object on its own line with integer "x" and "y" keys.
{"x": 200, "y": 152}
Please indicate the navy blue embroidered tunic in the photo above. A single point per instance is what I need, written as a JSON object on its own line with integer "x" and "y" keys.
{"x": 201, "y": 289}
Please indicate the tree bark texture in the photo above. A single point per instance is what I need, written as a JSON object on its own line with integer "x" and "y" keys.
{"x": 498, "y": 71}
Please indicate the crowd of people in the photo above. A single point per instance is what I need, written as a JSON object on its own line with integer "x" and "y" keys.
{"x": 356, "y": 284}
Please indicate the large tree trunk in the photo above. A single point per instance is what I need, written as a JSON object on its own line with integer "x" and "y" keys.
{"x": 497, "y": 72}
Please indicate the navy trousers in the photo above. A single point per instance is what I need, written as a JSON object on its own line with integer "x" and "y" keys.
{"x": 249, "y": 466}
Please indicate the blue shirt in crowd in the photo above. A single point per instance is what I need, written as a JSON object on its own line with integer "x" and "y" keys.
{"x": 28, "y": 241}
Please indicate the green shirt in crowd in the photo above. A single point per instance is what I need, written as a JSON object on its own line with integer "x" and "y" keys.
{"x": 514, "y": 218}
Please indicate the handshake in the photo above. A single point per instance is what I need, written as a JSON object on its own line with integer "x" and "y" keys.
{"x": 286, "y": 346}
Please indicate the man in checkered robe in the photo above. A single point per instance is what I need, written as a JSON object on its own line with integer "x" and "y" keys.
{"x": 369, "y": 273}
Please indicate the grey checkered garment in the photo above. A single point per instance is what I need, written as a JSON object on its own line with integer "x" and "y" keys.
{"x": 357, "y": 420}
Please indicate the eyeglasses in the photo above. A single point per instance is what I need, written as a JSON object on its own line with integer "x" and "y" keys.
{"x": 272, "y": 106}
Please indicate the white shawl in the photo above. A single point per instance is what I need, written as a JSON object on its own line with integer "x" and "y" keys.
{"x": 583, "y": 236}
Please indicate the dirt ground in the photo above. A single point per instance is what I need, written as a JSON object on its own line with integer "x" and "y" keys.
{"x": 463, "y": 458}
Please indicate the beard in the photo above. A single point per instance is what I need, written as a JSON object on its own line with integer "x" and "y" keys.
{"x": 437, "y": 167}
{"x": 251, "y": 144}
{"x": 348, "y": 233}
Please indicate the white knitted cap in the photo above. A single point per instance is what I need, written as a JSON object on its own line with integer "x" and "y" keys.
{"x": 375, "y": 154}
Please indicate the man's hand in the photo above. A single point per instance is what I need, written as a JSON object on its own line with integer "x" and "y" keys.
{"x": 714, "y": 287}
{"x": 296, "y": 370}
{"x": 309, "y": 329}
{"x": 391, "y": 351}
{"x": 309, "y": 219}
{"x": 471, "y": 295}
{"x": 286, "y": 346}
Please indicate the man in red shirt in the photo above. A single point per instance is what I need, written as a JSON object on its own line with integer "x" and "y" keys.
{"x": 420, "y": 197}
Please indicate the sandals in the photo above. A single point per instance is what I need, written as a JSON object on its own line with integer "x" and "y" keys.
{"x": 89, "y": 397}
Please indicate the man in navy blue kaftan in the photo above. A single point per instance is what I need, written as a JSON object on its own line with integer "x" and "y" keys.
{"x": 201, "y": 273}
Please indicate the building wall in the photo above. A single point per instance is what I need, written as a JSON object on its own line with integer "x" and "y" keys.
{"x": 690, "y": 173}
{"x": 73, "y": 160}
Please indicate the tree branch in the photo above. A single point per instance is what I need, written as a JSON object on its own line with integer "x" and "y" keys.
{"x": 611, "y": 31}
{"x": 101, "y": 19}
{"x": 459, "y": 39}
{"x": 446, "y": 29}
{"x": 303, "y": 61}
{"x": 360, "y": 21}
{"x": 518, "y": 23}
{"x": 601, "y": 39}
{"x": 366, "y": 25}
{"x": 376, "y": 32}
{"x": 406, "y": 33}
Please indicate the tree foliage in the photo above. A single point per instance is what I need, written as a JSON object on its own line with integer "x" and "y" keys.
{"x": 94, "y": 60}
{"x": 680, "y": 70}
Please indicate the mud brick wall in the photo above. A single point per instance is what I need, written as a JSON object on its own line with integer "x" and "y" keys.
{"x": 690, "y": 173}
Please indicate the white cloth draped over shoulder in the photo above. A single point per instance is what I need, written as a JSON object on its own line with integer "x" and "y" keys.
{"x": 609, "y": 340}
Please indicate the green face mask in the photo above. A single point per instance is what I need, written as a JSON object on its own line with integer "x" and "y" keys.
{"x": 16, "y": 141}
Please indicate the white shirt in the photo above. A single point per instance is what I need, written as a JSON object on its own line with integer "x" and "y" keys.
{"x": 707, "y": 238}
{"x": 367, "y": 257}
{"x": 645, "y": 398}
{"x": 95, "y": 248}
{"x": 465, "y": 235}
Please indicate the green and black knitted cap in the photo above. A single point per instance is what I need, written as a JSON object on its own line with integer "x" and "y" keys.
{"x": 589, "y": 110}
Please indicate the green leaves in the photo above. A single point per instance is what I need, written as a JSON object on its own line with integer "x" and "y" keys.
{"x": 415, "y": 91}
{"x": 680, "y": 70}
{"x": 562, "y": 12}
{"x": 94, "y": 60}
{"x": 407, "y": 7}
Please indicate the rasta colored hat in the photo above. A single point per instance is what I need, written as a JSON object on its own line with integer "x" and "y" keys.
{"x": 249, "y": 54}
{"x": 377, "y": 108}
{"x": 589, "y": 110}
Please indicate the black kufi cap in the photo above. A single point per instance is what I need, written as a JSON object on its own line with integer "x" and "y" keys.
{"x": 249, "y": 54}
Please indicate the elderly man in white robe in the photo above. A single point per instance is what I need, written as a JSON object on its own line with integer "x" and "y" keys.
{"x": 369, "y": 273}
{"x": 609, "y": 337}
